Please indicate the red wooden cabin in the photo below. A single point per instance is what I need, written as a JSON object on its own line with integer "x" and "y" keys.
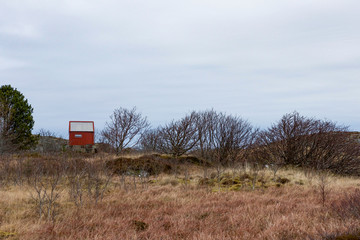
{"x": 81, "y": 133}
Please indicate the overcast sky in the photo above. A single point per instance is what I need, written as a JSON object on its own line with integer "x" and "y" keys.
{"x": 259, "y": 59}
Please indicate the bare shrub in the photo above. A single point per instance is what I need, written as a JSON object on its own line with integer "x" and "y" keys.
{"x": 205, "y": 123}
{"x": 76, "y": 180}
{"x": 311, "y": 143}
{"x": 4, "y": 169}
{"x": 124, "y": 129}
{"x": 254, "y": 173}
{"x": 149, "y": 141}
{"x": 179, "y": 137}
{"x": 19, "y": 168}
{"x": 46, "y": 192}
{"x": 6, "y": 141}
{"x": 76, "y": 187}
{"x": 87, "y": 180}
{"x": 98, "y": 177}
{"x": 323, "y": 184}
{"x": 225, "y": 140}
{"x": 230, "y": 136}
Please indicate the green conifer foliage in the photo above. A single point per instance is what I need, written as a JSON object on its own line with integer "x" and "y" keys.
{"x": 16, "y": 120}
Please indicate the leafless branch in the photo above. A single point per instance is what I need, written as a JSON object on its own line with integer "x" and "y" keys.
{"x": 124, "y": 128}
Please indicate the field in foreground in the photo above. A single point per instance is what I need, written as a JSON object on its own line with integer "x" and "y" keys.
{"x": 169, "y": 207}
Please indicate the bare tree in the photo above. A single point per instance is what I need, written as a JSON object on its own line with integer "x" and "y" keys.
{"x": 336, "y": 151}
{"x": 205, "y": 125}
{"x": 124, "y": 129}
{"x": 179, "y": 137}
{"x": 232, "y": 137}
{"x": 231, "y": 134}
{"x": 285, "y": 139}
{"x": 266, "y": 154}
{"x": 223, "y": 139}
{"x": 149, "y": 141}
{"x": 308, "y": 142}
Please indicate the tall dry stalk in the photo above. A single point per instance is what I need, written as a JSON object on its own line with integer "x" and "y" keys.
{"x": 323, "y": 184}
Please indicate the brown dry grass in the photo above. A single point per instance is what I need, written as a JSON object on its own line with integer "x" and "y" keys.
{"x": 169, "y": 209}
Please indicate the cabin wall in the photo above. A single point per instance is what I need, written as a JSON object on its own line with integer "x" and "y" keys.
{"x": 81, "y": 138}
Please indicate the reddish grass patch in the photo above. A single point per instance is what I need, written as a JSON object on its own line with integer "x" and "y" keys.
{"x": 175, "y": 213}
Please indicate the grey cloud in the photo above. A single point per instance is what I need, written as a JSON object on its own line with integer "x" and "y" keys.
{"x": 78, "y": 60}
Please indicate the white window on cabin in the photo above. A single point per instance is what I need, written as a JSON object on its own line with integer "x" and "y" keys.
{"x": 81, "y": 127}
{"x": 78, "y": 136}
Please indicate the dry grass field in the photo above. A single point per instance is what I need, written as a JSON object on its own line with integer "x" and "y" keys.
{"x": 294, "y": 205}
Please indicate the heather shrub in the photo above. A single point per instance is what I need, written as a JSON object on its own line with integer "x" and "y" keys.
{"x": 193, "y": 160}
{"x": 282, "y": 180}
{"x": 349, "y": 236}
{"x": 245, "y": 176}
{"x": 227, "y": 181}
{"x": 139, "y": 225}
{"x": 184, "y": 159}
{"x": 151, "y": 164}
{"x": 244, "y": 181}
{"x": 206, "y": 182}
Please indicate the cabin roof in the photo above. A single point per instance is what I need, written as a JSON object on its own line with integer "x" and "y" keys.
{"x": 81, "y": 126}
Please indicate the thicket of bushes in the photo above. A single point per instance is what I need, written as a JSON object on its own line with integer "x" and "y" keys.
{"x": 216, "y": 139}
{"x": 228, "y": 140}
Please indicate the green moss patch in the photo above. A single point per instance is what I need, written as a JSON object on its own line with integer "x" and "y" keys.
{"x": 4, "y": 235}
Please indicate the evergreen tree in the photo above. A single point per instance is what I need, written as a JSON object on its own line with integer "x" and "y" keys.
{"x": 16, "y": 121}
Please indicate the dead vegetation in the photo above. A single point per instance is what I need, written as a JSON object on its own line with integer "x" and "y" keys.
{"x": 109, "y": 197}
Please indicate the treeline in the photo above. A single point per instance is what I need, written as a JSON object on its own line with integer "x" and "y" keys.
{"x": 227, "y": 140}
{"x": 214, "y": 137}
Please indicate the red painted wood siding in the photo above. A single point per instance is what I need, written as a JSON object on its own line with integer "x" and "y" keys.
{"x": 85, "y": 139}
{"x": 81, "y": 137}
